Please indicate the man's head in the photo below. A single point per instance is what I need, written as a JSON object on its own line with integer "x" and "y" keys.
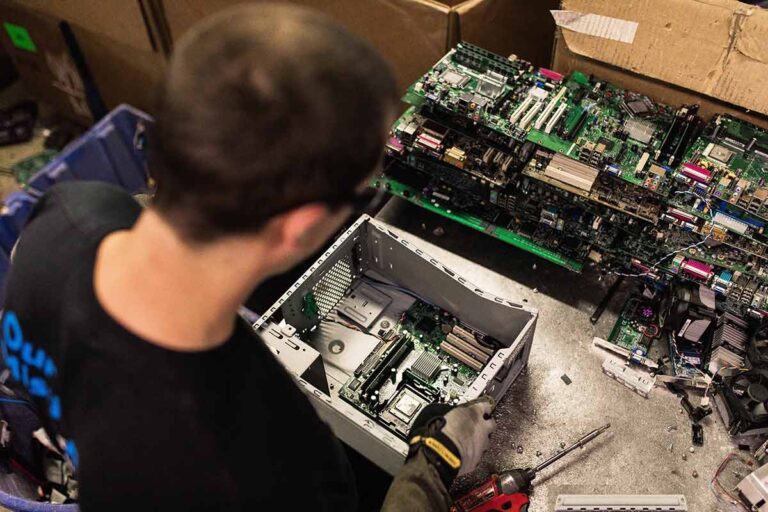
{"x": 270, "y": 120}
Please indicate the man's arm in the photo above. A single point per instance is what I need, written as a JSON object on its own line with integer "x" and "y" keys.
{"x": 444, "y": 443}
{"x": 418, "y": 487}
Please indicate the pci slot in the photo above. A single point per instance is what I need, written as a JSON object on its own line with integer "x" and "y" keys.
{"x": 556, "y": 118}
{"x": 519, "y": 111}
{"x": 468, "y": 349}
{"x": 550, "y": 107}
{"x": 471, "y": 339}
{"x": 461, "y": 356}
{"x": 530, "y": 115}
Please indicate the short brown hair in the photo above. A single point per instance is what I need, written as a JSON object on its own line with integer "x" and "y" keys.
{"x": 265, "y": 107}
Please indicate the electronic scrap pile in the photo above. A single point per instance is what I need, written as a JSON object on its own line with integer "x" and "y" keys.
{"x": 578, "y": 171}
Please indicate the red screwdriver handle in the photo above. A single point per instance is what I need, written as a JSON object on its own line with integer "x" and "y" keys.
{"x": 488, "y": 497}
{"x": 517, "y": 502}
{"x": 478, "y": 496}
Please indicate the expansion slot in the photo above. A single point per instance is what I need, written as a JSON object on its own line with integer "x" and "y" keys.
{"x": 530, "y": 115}
{"x": 471, "y": 339}
{"x": 465, "y": 347}
{"x": 573, "y": 128}
{"x": 521, "y": 109}
{"x": 550, "y": 107}
{"x": 556, "y": 118}
{"x": 461, "y": 356}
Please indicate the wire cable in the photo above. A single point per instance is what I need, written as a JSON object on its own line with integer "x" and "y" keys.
{"x": 375, "y": 282}
{"x": 648, "y": 273}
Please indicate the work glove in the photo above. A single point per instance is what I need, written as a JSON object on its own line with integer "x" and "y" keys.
{"x": 453, "y": 438}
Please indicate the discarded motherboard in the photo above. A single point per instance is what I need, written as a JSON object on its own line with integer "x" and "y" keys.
{"x": 579, "y": 171}
{"x": 428, "y": 357}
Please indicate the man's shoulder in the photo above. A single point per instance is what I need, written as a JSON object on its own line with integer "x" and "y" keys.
{"x": 86, "y": 205}
{"x": 61, "y": 236}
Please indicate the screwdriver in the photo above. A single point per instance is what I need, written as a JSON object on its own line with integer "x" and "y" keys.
{"x": 508, "y": 490}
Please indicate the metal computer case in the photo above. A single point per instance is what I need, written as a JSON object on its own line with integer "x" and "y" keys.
{"x": 369, "y": 247}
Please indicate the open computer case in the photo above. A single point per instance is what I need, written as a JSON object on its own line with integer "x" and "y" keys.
{"x": 376, "y": 329}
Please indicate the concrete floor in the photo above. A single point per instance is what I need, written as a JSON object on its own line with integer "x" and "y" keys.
{"x": 541, "y": 411}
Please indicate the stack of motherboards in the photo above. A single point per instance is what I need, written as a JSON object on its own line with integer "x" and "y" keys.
{"x": 579, "y": 171}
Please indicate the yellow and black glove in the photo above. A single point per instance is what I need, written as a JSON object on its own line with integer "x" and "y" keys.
{"x": 453, "y": 439}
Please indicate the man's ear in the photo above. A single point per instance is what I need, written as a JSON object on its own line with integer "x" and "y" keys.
{"x": 297, "y": 228}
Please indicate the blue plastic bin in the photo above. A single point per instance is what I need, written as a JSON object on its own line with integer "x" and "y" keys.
{"x": 113, "y": 150}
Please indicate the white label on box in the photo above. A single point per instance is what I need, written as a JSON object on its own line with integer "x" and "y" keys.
{"x": 597, "y": 25}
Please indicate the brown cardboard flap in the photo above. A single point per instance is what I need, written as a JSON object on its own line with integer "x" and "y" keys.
{"x": 519, "y": 27}
{"x": 119, "y": 20}
{"x": 716, "y": 47}
{"x": 411, "y": 34}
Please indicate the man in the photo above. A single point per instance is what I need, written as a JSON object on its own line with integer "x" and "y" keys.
{"x": 270, "y": 122}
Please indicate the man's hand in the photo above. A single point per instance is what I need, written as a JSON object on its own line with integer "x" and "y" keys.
{"x": 453, "y": 438}
{"x": 470, "y": 426}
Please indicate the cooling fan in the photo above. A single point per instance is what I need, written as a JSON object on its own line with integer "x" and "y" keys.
{"x": 757, "y": 352}
{"x": 742, "y": 401}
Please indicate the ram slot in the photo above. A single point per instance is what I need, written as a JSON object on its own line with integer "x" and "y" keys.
{"x": 370, "y": 361}
{"x": 391, "y": 359}
{"x": 550, "y": 107}
{"x": 682, "y": 144}
{"x": 669, "y": 138}
{"x": 521, "y": 109}
{"x": 556, "y": 118}
{"x": 530, "y": 115}
{"x": 459, "y": 355}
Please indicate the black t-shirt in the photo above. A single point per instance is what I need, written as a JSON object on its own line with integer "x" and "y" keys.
{"x": 150, "y": 428}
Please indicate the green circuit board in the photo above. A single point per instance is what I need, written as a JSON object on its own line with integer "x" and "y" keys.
{"x": 732, "y": 157}
{"x": 26, "y": 168}
{"x": 612, "y": 129}
{"x": 579, "y": 171}
{"x": 506, "y": 235}
{"x": 637, "y": 326}
{"x": 409, "y": 369}
{"x": 477, "y": 85}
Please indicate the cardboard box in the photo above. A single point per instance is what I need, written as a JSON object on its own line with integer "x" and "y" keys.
{"x": 413, "y": 34}
{"x": 124, "y": 21}
{"x": 565, "y": 61}
{"x": 126, "y": 42}
{"x": 505, "y": 27}
{"x": 717, "y": 48}
{"x": 122, "y": 72}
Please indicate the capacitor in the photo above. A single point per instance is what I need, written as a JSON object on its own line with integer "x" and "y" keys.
{"x": 455, "y": 369}
{"x": 393, "y": 375}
